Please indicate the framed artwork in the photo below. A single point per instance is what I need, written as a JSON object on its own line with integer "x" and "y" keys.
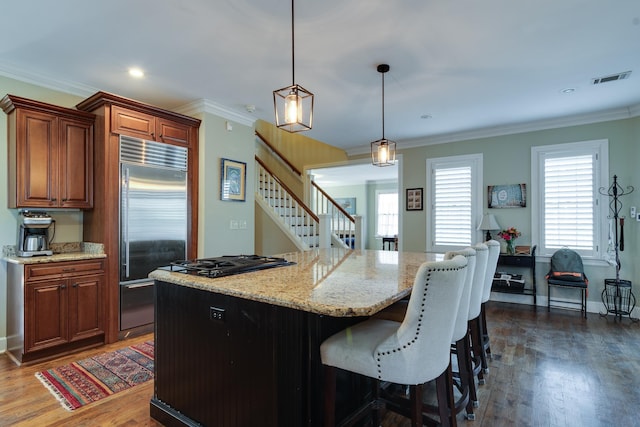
{"x": 233, "y": 178}
{"x": 414, "y": 199}
{"x": 347, "y": 203}
{"x": 507, "y": 196}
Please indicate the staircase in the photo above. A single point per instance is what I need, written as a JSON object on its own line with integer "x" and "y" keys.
{"x": 286, "y": 209}
{"x": 296, "y": 219}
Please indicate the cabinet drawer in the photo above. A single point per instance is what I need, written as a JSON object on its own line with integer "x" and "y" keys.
{"x": 520, "y": 261}
{"x": 62, "y": 269}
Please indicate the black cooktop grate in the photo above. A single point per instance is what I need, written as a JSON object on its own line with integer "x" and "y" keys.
{"x": 227, "y": 265}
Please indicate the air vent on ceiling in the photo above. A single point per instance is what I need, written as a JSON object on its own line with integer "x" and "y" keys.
{"x": 611, "y": 78}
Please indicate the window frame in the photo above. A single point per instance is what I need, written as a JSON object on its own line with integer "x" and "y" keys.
{"x": 386, "y": 191}
{"x": 599, "y": 148}
{"x": 475, "y": 162}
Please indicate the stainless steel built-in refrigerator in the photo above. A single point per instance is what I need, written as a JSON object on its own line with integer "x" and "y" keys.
{"x": 153, "y": 221}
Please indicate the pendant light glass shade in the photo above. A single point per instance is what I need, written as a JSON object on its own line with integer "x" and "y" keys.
{"x": 293, "y": 105}
{"x": 294, "y": 108}
{"x": 383, "y": 151}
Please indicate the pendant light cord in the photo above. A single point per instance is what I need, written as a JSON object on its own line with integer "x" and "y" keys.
{"x": 382, "y": 105}
{"x": 293, "y": 58}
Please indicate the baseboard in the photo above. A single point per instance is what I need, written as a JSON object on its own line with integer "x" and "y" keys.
{"x": 3, "y": 344}
{"x": 592, "y": 306}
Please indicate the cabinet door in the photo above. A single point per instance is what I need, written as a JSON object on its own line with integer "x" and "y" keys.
{"x": 76, "y": 164}
{"x": 172, "y": 132}
{"x": 132, "y": 123}
{"x": 46, "y": 315}
{"x": 37, "y": 159}
{"x": 85, "y": 307}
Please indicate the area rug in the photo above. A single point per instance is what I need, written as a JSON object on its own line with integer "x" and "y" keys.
{"x": 88, "y": 380}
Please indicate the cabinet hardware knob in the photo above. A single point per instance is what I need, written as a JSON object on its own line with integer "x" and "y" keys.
{"x": 63, "y": 286}
{"x": 75, "y": 285}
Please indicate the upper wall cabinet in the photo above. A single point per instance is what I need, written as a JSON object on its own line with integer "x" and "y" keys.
{"x": 125, "y": 121}
{"x": 50, "y": 155}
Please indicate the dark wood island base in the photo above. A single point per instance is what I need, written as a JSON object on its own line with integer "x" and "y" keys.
{"x": 227, "y": 361}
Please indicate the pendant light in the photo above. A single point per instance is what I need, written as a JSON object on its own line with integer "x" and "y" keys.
{"x": 383, "y": 151}
{"x": 293, "y": 104}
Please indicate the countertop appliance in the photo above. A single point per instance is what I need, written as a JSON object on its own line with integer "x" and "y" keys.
{"x": 153, "y": 221}
{"x": 33, "y": 233}
{"x": 226, "y": 265}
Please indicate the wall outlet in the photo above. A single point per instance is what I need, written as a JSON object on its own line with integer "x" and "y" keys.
{"x": 633, "y": 211}
{"x": 216, "y": 313}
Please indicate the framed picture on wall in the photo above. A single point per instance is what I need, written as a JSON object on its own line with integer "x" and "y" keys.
{"x": 414, "y": 199}
{"x": 233, "y": 176}
{"x": 347, "y": 203}
{"x": 507, "y": 196}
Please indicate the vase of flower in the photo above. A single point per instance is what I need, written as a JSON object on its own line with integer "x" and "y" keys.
{"x": 509, "y": 236}
{"x": 511, "y": 250}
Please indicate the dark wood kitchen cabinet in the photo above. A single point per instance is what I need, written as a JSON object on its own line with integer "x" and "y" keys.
{"x": 50, "y": 155}
{"x": 117, "y": 116}
{"x": 55, "y": 308}
{"x": 129, "y": 122}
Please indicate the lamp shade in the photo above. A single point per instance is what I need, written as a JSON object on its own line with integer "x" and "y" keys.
{"x": 489, "y": 223}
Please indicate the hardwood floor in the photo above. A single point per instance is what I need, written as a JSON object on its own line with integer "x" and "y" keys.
{"x": 548, "y": 369}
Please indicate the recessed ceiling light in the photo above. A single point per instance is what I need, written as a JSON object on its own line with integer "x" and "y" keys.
{"x": 136, "y": 72}
{"x": 568, "y": 90}
{"x": 426, "y": 116}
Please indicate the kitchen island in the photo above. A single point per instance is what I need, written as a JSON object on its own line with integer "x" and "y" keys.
{"x": 243, "y": 350}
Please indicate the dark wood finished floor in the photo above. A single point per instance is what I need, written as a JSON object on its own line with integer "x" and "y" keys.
{"x": 548, "y": 369}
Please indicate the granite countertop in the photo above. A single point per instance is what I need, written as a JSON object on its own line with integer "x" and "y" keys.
{"x": 75, "y": 251}
{"x": 334, "y": 282}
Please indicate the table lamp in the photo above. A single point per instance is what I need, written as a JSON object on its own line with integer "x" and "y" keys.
{"x": 487, "y": 224}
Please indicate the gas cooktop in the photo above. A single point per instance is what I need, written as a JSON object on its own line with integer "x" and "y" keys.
{"x": 226, "y": 265}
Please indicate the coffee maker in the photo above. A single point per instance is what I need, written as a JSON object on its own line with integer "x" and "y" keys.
{"x": 33, "y": 233}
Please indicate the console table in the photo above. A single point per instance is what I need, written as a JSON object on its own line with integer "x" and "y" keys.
{"x": 390, "y": 243}
{"x": 520, "y": 261}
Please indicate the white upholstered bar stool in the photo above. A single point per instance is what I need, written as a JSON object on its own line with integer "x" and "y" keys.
{"x": 460, "y": 341}
{"x": 474, "y": 319}
{"x": 492, "y": 263}
{"x": 413, "y": 352}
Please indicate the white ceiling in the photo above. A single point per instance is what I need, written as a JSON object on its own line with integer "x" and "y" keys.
{"x": 475, "y": 67}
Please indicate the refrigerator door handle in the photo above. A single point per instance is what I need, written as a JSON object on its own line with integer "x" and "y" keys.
{"x": 125, "y": 215}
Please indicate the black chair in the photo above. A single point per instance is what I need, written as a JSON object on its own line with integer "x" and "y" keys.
{"x": 567, "y": 272}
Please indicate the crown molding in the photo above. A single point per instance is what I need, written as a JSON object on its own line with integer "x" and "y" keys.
{"x": 47, "y": 82}
{"x": 211, "y": 107}
{"x": 511, "y": 129}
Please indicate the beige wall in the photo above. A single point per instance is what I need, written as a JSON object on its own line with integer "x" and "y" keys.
{"x": 507, "y": 160}
{"x": 216, "y": 237}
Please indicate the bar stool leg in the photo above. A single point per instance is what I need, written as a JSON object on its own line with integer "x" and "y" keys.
{"x": 329, "y": 396}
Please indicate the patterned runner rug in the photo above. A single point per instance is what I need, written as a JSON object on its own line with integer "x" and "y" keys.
{"x": 92, "y": 379}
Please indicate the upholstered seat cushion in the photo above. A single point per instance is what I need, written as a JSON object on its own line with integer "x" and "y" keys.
{"x": 353, "y": 349}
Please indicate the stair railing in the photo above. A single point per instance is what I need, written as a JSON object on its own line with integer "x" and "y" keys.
{"x": 343, "y": 225}
{"x": 298, "y": 218}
